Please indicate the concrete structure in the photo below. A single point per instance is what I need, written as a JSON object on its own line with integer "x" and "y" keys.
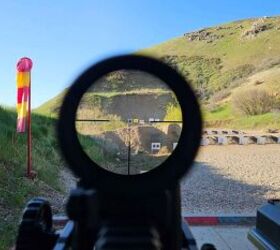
{"x": 261, "y": 140}
{"x": 224, "y": 137}
{"x": 204, "y": 141}
{"x": 243, "y": 140}
{"x": 223, "y": 237}
{"x": 222, "y": 140}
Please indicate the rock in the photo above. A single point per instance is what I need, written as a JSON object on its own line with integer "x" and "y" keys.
{"x": 240, "y": 27}
{"x": 203, "y": 35}
{"x": 272, "y": 131}
{"x": 258, "y": 82}
{"x": 256, "y": 28}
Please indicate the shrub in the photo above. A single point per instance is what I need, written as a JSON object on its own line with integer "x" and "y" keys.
{"x": 220, "y": 95}
{"x": 253, "y": 102}
{"x": 234, "y": 77}
{"x": 173, "y": 113}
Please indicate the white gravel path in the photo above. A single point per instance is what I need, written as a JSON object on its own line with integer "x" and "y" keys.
{"x": 231, "y": 180}
{"x": 68, "y": 180}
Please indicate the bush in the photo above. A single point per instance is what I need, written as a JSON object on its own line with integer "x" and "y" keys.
{"x": 253, "y": 102}
{"x": 173, "y": 113}
{"x": 212, "y": 106}
{"x": 220, "y": 95}
{"x": 234, "y": 77}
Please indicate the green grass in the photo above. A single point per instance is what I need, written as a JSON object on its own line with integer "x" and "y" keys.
{"x": 96, "y": 151}
{"x": 93, "y": 129}
{"x": 225, "y": 117}
{"x": 173, "y": 113}
{"x": 231, "y": 48}
{"x": 230, "y": 58}
{"x": 223, "y": 112}
{"x": 268, "y": 120}
{"x": 51, "y": 107}
{"x": 15, "y": 188}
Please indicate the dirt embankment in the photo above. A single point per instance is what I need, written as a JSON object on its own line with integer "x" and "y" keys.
{"x": 134, "y": 146}
{"x": 141, "y": 137}
{"x": 133, "y": 106}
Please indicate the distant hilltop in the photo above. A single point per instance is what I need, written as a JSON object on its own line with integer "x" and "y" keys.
{"x": 220, "y": 62}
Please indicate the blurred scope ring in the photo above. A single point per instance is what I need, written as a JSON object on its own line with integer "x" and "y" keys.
{"x": 87, "y": 167}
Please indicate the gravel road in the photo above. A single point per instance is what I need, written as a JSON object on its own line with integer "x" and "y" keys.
{"x": 231, "y": 180}
{"x": 225, "y": 180}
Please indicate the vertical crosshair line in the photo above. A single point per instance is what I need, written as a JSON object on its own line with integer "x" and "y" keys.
{"x": 128, "y": 151}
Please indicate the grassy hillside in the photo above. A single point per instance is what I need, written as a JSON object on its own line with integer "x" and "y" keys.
{"x": 15, "y": 188}
{"x": 245, "y": 42}
{"x": 113, "y": 86}
{"x": 218, "y": 62}
{"x": 51, "y": 107}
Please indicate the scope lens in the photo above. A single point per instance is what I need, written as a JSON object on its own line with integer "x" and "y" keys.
{"x": 129, "y": 122}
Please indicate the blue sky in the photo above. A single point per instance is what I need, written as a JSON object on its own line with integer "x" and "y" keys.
{"x": 63, "y": 37}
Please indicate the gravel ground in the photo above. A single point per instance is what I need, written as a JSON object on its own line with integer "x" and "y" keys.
{"x": 225, "y": 180}
{"x": 58, "y": 199}
{"x": 231, "y": 180}
{"x": 68, "y": 180}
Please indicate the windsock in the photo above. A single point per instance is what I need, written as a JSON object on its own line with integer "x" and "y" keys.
{"x": 24, "y": 66}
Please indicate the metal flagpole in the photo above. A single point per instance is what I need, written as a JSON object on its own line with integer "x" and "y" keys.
{"x": 24, "y": 67}
{"x": 29, "y": 138}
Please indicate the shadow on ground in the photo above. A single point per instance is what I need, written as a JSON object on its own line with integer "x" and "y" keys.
{"x": 205, "y": 191}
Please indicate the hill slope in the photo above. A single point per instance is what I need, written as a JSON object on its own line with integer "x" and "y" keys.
{"x": 15, "y": 189}
{"x": 217, "y": 57}
{"x": 220, "y": 60}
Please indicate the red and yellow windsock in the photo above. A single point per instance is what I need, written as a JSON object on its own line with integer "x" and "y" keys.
{"x": 24, "y": 66}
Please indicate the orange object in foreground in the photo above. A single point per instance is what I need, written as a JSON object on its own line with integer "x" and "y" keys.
{"x": 23, "y": 99}
{"x": 24, "y": 67}
{"x": 23, "y": 92}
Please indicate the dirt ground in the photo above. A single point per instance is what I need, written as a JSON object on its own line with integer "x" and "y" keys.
{"x": 231, "y": 179}
{"x": 225, "y": 180}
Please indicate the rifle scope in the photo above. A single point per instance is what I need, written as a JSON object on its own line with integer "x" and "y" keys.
{"x": 129, "y": 129}
{"x": 129, "y": 124}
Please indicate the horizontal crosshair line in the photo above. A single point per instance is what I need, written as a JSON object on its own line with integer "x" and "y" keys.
{"x": 92, "y": 120}
{"x": 166, "y": 121}
{"x": 104, "y": 120}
